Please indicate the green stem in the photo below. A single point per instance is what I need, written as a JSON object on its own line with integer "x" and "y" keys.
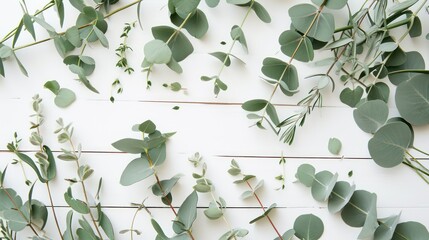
{"x": 263, "y": 209}
{"x": 420, "y": 151}
{"x": 83, "y": 26}
{"x": 235, "y": 39}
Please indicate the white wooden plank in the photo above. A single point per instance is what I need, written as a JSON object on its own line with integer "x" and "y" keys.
{"x": 399, "y": 187}
{"x": 213, "y": 129}
{"x": 203, "y": 228}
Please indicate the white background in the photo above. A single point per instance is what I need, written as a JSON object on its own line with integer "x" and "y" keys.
{"x": 215, "y": 127}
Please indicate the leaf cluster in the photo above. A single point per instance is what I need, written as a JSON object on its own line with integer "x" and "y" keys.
{"x": 358, "y": 208}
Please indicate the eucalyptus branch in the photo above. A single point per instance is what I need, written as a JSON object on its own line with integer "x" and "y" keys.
{"x": 235, "y": 170}
{"x": 239, "y": 36}
{"x": 205, "y": 185}
{"x": 37, "y": 139}
{"x": 14, "y": 31}
{"x": 65, "y": 135}
{"x": 80, "y": 27}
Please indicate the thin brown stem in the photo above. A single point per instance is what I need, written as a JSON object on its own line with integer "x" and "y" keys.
{"x": 53, "y": 211}
{"x": 263, "y": 209}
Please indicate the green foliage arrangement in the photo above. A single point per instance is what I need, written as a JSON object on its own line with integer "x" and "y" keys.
{"x": 366, "y": 54}
{"x": 358, "y": 208}
{"x": 367, "y": 61}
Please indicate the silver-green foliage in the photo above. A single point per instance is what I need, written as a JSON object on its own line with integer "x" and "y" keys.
{"x": 358, "y": 207}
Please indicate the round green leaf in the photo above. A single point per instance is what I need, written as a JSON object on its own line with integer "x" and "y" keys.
{"x": 157, "y": 51}
{"x": 379, "y": 91}
{"x": 65, "y": 97}
{"x": 303, "y": 15}
{"x": 293, "y": 44}
{"x": 323, "y": 185}
{"x": 371, "y": 115}
{"x": 334, "y": 146}
{"x": 255, "y": 105}
{"x": 351, "y": 97}
{"x": 147, "y": 127}
{"x": 414, "y": 61}
{"x": 197, "y": 25}
{"x": 395, "y": 58}
{"x": 340, "y": 196}
{"x": 308, "y": 227}
{"x": 332, "y": 4}
{"x": 355, "y": 212}
{"x": 280, "y": 71}
{"x": 180, "y": 45}
{"x": 389, "y": 144}
{"x": 387, "y": 228}
{"x": 305, "y": 174}
{"x": 137, "y": 170}
{"x": 411, "y": 230}
{"x": 412, "y": 100}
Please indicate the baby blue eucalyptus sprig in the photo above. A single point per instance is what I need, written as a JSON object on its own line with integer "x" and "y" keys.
{"x": 217, "y": 206}
{"x": 171, "y": 45}
{"x": 237, "y": 35}
{"x": 358, "y": 208}
{"x": 152, "y": 153}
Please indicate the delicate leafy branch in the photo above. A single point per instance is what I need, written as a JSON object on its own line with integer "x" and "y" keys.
{"x": 358, "y": 208}
{"x": 237, "y": 35}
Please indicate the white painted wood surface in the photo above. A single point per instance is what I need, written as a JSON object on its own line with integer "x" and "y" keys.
{"x": 216, "y": 127}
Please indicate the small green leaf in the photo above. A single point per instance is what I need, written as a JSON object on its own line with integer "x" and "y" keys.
{"x": 187, "y": 214}
{"x": 53, "y": 85}
{"x": 323, "y": 184}
{"x": 101, "y": 37}
{"x": 339, "y": 43}
{"x": 130, "y": 145}
{"x": 223, "y": 57}
{"x": 28, "y": 23}
{"x": 76, "y": 204}
{"x": 164, "y": 187}
{"x": 180, "y": 45}
{"x": 212, "y": 3}
{"x": 340, "y": 196}
{"x": 213, "y": 212}
{"x": 72, "y": 35}
{"x": 379, "y": 91}
{"x": 254, "y": 105}
{"x": 185, "y": 7}
{"x": 265, "y": 214}
{"x": 157, "y": 51}
{"x": 371, "y": 115}
{"x": 334, "y": 146}
{"x": 261, "y": 12}
{"x": 106, "y": 225}
{"x": 412, "y": 100}
{"x": 238, "y": 34}
{"x": 136, "y": 171}
{"x": 389, "y": 145}
{"x": 410, "y": 230}
{"x": 305, "y": 174}
{"x": 147, "y": 127}
{"x": 308, "y": 227}
{"x": 197, "y": 25}
{"x": 351, "y": 97}
{"x": 285, "y": 74}
{"x": 355, "y": 212}
{"x": 60, "y": 10}
{"x": 297, "y": 46}
{"x": 302, "y": 16}
{"x": 238, "y": 2}
{"x": 64, "y": 98}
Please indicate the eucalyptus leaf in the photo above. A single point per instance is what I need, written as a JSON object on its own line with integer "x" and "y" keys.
{"x": 53, "y": 86}
{"x": 261, "y": 12}
{"x": 28, "y": 23}
{"x": 371, "y": 115}
{"x": 303, "y": 16}
{"x": 185, "y": 7}
{"x": 296, "y": 46}
{"x": 351, "y": 97}
{"x": 308, "y": 227}
{"x": 136, "y": 171}
{"x": 387, "y": 228}
{"x": 379, "y": 91}
{"x": 254, "y": 105}
{"x": 412, "y": 100}
{"x": 147, "y": 127}
{"x": 164, "y": 187}
{"x": 64, "y": 98}
{"x": 323, "y": 184}
{"x": 238, "y": 34}
{"x": 334, "y": 146}
{"x": 414, "y": 61}
{"x": 389, "y": 145}
{"x": 180, "y": 45}
{"x": 410, "y": 230}
{"x": 284, "y": 73}
{"x": 157, "y": 52}
{"x": 9, "y": 203}
{"x": 288, "y": 235}
{"x": 76, "y": 204}
{"x": 355, "y": 212}
{"x": 305, "y": 174}
{"x": 187, "y": 213}
{"x": 213, "y": 212}
{"x": 340, "y": 196}
{"x": 130, "y": 145}
{"x": 223, "y": 57}
{"x": 197, "y": 25}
